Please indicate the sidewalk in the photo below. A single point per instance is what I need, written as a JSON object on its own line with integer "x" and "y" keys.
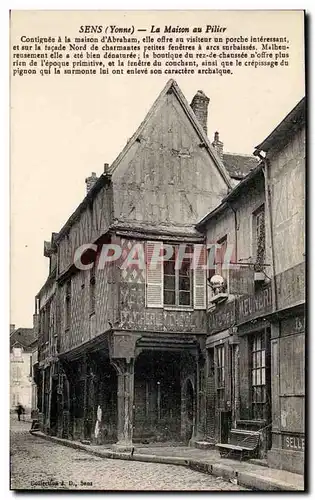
{"x": 249, "y": 475}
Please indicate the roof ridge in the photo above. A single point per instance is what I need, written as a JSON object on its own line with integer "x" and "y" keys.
{"x": 173, "y": 85}
{"x": 248, "y": 155}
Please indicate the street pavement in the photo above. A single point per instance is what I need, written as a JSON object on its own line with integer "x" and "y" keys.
{"x": 43, "y": 465}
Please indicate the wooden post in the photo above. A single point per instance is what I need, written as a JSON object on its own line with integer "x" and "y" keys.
{"x": 125, "y": 399}
{"x": 159, "y": 401}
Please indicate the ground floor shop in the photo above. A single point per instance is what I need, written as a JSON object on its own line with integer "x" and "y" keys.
{"x": 238, "y": 385}
{"x": 255, "y": 383}
{"x": 152, "y": 395}
{"x": 288, "y": 390}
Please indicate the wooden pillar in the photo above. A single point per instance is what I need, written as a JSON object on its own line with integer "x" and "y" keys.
{"x": 199, "y": 403}
{"x": 202, "y": 400}
{"x": 43, "y": 394}
{"x": 48, "y": 409}
{"x": 196, "y": 406}
{"x": 85, "y": 397}
{"x": 125, "y": 400}
{"x": 236, "y": 402}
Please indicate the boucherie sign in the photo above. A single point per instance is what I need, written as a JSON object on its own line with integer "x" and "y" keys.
{"x": 252, "y": 306}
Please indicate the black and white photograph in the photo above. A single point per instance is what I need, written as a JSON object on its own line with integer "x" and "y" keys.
{"x": 157, "y": 253}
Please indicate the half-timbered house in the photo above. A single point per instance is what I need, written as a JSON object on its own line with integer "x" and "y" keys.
{"x": 123, "y": 358}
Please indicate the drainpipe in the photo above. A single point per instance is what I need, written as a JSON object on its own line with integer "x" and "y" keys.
{"x": 269, "y": 215}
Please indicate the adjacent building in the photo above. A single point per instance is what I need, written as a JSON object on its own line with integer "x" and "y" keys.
{"x": 21, "y": 340}
{"x": 284, "y": 155}
{"x": 255, "y": 344}
{"x": 133, "y": 353}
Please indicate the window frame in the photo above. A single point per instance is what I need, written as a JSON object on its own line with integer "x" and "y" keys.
{"x": 217, "y": 269}
{"x": 220, "y": 373}
{"x": 177, "y": 277}
{"x": 258, "y": 361}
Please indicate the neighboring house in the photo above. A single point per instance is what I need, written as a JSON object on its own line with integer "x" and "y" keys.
{"x": 255, "y": 346}
{"x": 284, "y": 153}
{"x": 238, "y": 231}
{"x": 20, "y": 364}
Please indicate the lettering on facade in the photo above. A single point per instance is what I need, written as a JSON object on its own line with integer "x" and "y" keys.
{"x": 290, "y": 442}
{"x": 161, "y": 320}
{"x": 135, "y": 315}
{"x": 222, "y": 318}
{"x": 252, "y": 306}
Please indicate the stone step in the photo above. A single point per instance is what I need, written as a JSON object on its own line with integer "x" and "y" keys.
{"x": 204, "y": 445}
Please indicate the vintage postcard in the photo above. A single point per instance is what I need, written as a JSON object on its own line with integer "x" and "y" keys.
{"x": 157, "y": 250}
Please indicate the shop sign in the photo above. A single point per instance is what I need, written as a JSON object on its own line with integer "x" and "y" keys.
{"x": 222, "y": 318}
{"x": 252, "y": 306}
{"x": 291, "y": 442}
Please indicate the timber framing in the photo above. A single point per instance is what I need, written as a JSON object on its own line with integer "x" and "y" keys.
{"x": 104, "y": 179}
{"x": 172, "y": 86}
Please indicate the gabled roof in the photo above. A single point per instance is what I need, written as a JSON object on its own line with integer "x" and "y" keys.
{"x": 239, "y": 165}
{"x": 22, "y": 336}
{"x": 172, "y": 86}
{"x": 293, "y": 121}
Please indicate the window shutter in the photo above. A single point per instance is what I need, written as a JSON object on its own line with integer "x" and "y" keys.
{"x": 154, "y": 276}
{"x": 200, "y": 259}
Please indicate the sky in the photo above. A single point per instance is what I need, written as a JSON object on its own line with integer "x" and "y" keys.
{"x": 63, "y": 128}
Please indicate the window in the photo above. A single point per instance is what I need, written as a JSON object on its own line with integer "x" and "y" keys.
{"x": 46, "y": 322}
{"x": 221, "y": 266}
{"x": 68, "y": 304}
{"x": 258, "y": 376}
{"x": 259, "y": 237}
{"x": 217, "y": 257}
{"x": 178, "y": 282}
{"x": 17, "y": 352}
{"x": 220, "y": 373}
{"x": 16, "y": 373}
{"x": 92, "y": 289}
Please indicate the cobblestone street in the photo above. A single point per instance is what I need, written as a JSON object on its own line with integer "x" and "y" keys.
{"x": 40, "y": 464}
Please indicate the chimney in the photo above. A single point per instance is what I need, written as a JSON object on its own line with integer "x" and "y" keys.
{"x": 90, "y": 181}
{"x": 199, "y": 105}
{"x": 218, "y": 145}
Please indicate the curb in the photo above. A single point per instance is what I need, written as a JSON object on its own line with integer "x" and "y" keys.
{"x": 249, "y": 480}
